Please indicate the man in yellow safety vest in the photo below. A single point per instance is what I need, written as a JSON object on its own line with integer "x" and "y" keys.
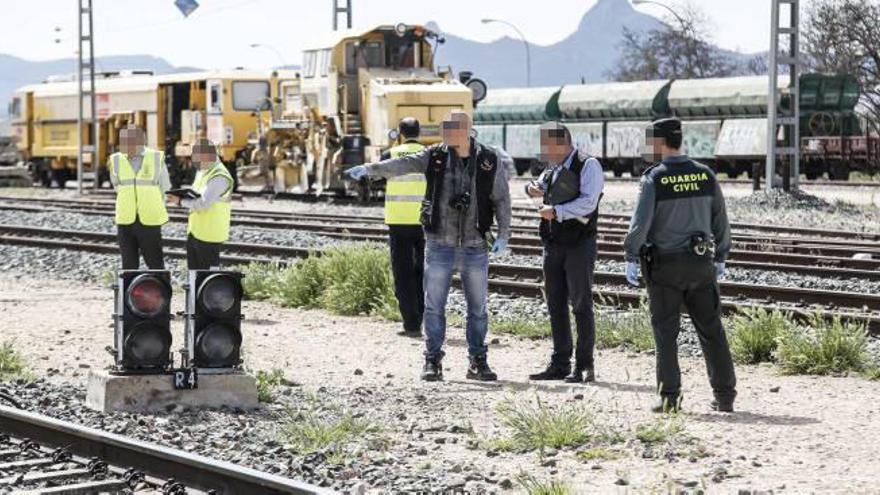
{"x": 403, "y": 202}
{"x": 210, "y": 213}
{"x": 140, "y": 177}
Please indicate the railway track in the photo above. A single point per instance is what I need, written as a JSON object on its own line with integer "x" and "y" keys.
{"x": 811, "y": 256}
{"x": 42, "y": 455}
{"x": 516, "y": 280}
{"x": 611, "y": 221}
{"x": 746, "y": 182}
{"x": 527, "y": 213}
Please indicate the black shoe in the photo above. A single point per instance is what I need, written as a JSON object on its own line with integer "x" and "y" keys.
{"x": 722, "y": 406}
{"x": 479, "y": 370}
{"x": 576, "y": 376}
{"x": 667, "y": 405}
{"x": 584, "y": 375}
{"x": 553, "y": 372}
{"x": 589, "y": 375}
{"x": 410, "y": 333}
{"x": 433, "y": 370}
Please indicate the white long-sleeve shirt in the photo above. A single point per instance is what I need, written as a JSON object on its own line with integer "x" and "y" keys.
{"x": 212, "y": 193}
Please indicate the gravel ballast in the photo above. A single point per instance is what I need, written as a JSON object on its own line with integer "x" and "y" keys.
{"x": 439, "y": 437}
{"x": 75, "y": 221}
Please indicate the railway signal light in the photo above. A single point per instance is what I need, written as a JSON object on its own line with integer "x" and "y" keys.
{"x": 213, "y": 319}
{"x": 142, "y": 321}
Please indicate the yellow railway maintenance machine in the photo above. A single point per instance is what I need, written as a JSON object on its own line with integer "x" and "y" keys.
{"x": 172, "y": 109}
{"x": 355, "y": 87}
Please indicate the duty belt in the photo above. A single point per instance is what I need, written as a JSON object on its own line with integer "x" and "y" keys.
{"x": 679, "y": 255}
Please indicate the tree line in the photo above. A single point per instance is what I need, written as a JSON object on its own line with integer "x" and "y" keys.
{"x": 837, "y": 37}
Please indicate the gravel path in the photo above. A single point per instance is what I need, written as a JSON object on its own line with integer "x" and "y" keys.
{"x": 791, "y": 434}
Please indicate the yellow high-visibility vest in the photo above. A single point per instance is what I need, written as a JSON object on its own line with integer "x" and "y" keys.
{"x": 404, "y": 194}
{"x": 212, "y": 223}
{"x": 138, "y": 196}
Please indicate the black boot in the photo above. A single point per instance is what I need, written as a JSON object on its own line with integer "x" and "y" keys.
{"x": 722, "y": 405}
{"x": 580, "y": 375}
{"x": 667, "y": 405}
{"x": 479, "y": 370}
{"x": 415, "y": 334}
{"x": 553, "y": 372}
{"x": 433, "y": 370}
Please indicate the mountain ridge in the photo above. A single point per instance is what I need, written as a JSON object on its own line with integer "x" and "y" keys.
{"x": 584, "y": 55}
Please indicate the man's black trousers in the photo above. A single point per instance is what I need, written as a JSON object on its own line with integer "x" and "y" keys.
{"x": 136, "y": 240}
{"x": 568, "y": 276}
{"x": 407, "y": 243}
{"x": 201, "y": 255}
{"x": 689, "y": 281}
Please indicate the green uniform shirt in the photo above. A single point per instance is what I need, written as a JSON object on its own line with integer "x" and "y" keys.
{"x": 678, "y": 198}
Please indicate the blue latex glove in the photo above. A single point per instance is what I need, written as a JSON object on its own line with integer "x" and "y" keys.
{"x": 719, "y": 270}
{"x": 632, "y": 273}
{"x": 499, "y": 246}
{"x": 356, "y": 173}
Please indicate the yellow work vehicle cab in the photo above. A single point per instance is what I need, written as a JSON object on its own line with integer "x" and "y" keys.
{"x": 356, "y": 86}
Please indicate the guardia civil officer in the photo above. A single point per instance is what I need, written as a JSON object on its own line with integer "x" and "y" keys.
{"x": 681, "y": 234}
{"x": 210, "y": 213}
{"x": 466, "y": 192}
{"x": 140, "y": 178}
{"x": 406, "y": 240}
{"x": 571, "y": 188}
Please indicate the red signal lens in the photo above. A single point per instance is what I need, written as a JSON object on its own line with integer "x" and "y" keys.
{"x": 147, "y": 296}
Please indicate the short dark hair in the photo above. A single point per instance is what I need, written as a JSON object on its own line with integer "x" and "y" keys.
{"x": 668, "y": 128}
{"x": 558, "y": 131}
{"x": 409, "y": 127}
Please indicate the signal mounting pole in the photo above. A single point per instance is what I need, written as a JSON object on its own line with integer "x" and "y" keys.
{"x": 86, "y": 47}
{"x": 777, "y": 116}
{"x": 341, "y": 10}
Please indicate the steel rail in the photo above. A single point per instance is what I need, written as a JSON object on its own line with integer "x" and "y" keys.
{"x": 527, "y": 212}
{"x": 827, "y": 262}
{"x": 505, "y": 278}
{"x": 192, "y": 470}
{"x": 612, "y": 226}
{"x": 760, "y": 251}
{"x": 746, "y": 182}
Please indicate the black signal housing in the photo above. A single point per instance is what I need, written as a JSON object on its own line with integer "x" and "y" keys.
{"x": 213, "y": 319}
{"x": 142, "y": 323}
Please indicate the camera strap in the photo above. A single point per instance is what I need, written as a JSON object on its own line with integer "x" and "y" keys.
{"x": 469, "y": 171}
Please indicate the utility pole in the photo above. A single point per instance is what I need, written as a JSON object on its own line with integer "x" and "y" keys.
{"x": 86, "y": 44}
{"x": 341, "y": 10}
{"x": 522, "y": 37}
{"x": 777, "y": 116}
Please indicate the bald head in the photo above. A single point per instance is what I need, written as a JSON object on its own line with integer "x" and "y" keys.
{"x": 131, "y": 140}
{"x": 456, "y": 131}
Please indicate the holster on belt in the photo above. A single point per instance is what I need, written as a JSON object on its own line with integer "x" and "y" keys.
{"x": 647, "y": 255}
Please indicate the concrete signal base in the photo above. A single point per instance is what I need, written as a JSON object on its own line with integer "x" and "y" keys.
{"x": 156, "y": 393}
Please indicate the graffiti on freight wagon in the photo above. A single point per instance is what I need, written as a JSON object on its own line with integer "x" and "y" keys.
{"x": 493, "y": 135}
{"x": 626, "y": 139}
{"x": 587, "y": 137}
{"x": 699, "y": 138}
{"x": 742, "y": 137}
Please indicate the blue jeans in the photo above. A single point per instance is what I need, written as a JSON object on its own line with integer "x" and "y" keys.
{"x": 473, "y": 266}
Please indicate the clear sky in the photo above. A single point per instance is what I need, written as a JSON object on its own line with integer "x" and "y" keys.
{"x": 219, "y": 33}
